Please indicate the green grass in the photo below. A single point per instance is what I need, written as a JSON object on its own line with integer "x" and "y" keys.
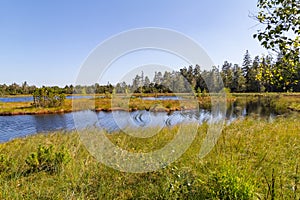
{"x": 253, "y": 159}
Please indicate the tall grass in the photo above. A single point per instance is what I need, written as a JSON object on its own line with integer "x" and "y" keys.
{"x": 253, "y": 159}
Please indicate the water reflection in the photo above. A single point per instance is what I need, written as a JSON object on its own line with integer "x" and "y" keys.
{"x": 23, "y": 125}
{"x": 30, "y": 98}
{"x": 162, "y": 98}
{"x": 56, "y": 122}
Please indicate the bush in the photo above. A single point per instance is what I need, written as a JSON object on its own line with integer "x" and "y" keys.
{"x": 48, "y": 97}
{"x": 47, "y": 159}
{"x": 229, "y": 185}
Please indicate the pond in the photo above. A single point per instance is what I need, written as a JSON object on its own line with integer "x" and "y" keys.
{"x": 162, "y": 98}
{"x": 30, "y": 98}
{"x": 23, "y": 125}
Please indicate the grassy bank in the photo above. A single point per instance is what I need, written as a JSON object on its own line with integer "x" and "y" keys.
{"x": 253, "y": 159}
{"x": 281, "y": 103}
{"x": 107, "y": 103}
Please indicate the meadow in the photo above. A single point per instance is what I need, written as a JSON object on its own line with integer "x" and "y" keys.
{"x": 253, "y": 159}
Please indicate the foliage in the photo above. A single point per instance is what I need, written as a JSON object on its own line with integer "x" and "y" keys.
{"x": 263, "y": 74}
{"x": 229, "y": 185}
{"x": 15, "y": 89}
{"x": 47, "y": 159}
{"x": 48, "y": 97}
{"x": 281, "y": 33}
{"x": 280, "y": 17}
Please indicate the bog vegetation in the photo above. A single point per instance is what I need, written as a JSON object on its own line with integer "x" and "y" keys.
{"x": 48, "y": 97}
{"x": 253, "y": 159}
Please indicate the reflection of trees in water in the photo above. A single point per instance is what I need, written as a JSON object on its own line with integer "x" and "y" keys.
{"x": 16, "y": 126}
{"x": 235, "y": 110}
{"x": 261, "y": 107}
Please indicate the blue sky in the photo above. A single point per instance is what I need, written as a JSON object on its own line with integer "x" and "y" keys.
{"x": 46, "y": 42}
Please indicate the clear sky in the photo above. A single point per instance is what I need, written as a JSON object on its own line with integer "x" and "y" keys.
{"x": 46, "y": 42}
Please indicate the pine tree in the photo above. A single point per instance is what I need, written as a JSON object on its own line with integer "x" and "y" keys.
{"x": 227, "y": 75}
{"x": 246, "y": 64}
{"x": 239, "y": 82}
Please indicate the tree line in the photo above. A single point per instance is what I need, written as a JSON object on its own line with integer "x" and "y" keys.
{"x": 280, "y": 33}
{"x": 15, "y": 89}
{"x": 262, "y": 74}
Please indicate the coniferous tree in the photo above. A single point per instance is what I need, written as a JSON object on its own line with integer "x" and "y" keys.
{"x": 246, "y": 68}
{"x": 239, "y": 81}
{"x": 227, "y": 75}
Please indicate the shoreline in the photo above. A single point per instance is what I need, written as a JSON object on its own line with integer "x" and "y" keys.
{"x": 280, "y": 102}
{"x": 62, "y": 111}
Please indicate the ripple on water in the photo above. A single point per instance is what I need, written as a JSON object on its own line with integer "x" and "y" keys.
{"x": 23, "y": 125}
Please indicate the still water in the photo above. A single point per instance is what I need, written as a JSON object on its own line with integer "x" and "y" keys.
{"x": 162, "y": 98}
{"x": 23, "y": 125}
{"x": 30, "y": 98}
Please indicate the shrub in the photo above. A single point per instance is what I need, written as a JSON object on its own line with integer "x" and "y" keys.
{"x": 48, "y": 97}
{"x": 47, "y": 159}
{"x": 229, "y": 185}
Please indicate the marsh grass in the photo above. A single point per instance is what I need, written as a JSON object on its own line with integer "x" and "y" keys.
{"x": 281, "y": 103}
{"x": 253, "y": 159}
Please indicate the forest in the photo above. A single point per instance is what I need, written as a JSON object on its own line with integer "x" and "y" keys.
{"x": 260, "y": 74}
